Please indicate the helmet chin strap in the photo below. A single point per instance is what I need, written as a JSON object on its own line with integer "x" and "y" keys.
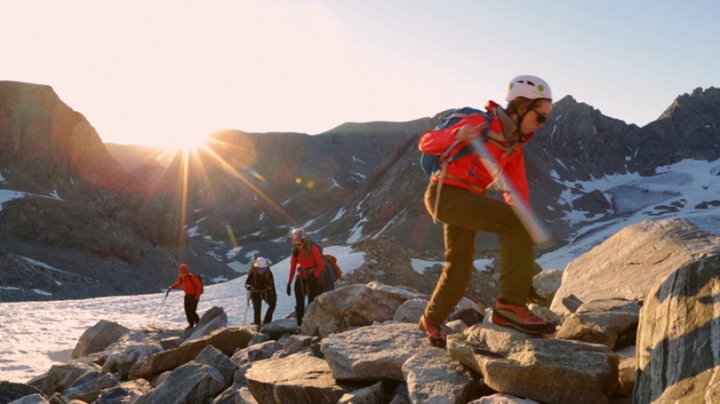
{"x": 521, "y": 118}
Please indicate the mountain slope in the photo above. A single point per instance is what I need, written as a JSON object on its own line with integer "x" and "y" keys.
{"x": 104, "y": 214}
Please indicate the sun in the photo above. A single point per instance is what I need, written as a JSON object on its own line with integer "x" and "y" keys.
{"x": 188, "y": 144}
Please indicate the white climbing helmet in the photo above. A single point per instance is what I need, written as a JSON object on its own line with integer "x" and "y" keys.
{"x": 261, "y": 262}
{"x": 298, "y": 235}
{"x": 530, "y": 87}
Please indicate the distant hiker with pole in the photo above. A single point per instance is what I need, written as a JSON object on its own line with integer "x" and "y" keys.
{"x": 456, "y": 197}
{"x": 193, "y": 288}
{"x": 308, "y": 261}
{"x": 261, "y": 285}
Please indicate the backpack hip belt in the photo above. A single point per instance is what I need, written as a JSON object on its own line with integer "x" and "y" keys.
{"x": 306, "y": 270}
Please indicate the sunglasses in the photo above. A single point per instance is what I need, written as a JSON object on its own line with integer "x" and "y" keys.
{"x": 540, "y": 118}
{"x": 297, "y": 243}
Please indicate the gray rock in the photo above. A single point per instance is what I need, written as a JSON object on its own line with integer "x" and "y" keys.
{"x": 601, "y": 321}
{"x": 298, "y": 379}
{"x": 679, "y": 336}
{"x": 537, "y": 368}
{"x": 432, "y": 376}
{"x": 88, "y": 386}
{"x": 349, "y": 306}
{"x": 124, "y": 393}
{"x": 189, "y": 383}
{"x": 36, "y": 398}
{"x": 10, "y": 391}
{"x": 211, "y": 356}
{"x": 98, "y": 337}
{"x": 628, "y": 264}
{"x": 372, "y": 353}
{"x": 366, "y": 395}
{"x": 226, "y": 340}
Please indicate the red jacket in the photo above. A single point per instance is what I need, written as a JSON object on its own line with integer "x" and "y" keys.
{"x": 307, "y": 261}
{"x": 191, "y": 285}
{"x": 469, "y": 172}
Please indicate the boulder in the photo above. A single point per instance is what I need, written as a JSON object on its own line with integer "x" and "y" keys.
{"x": 628, "y": 264}
{"x": 679, "y": 336}
{"x": 227, "y": 340}
{"x": 542, "y": 369}
{"x": 10, "y": 391}
{"x": 350, "y": 306}
{"x": 372, "y": 353}
{"x": 432, "y": 376}
{"x": 602, "y": 322}
{"x": 98, "y": 337}
{"x": 190, "y": 383}
{"x": 298, "y": 379}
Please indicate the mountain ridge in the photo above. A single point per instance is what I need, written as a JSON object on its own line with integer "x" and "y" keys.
{"x": 247, "y": 191}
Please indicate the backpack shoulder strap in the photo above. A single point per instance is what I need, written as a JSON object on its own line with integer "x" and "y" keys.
{"x": 468, "y": 149}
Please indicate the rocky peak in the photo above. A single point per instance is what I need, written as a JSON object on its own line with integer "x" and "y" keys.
{"x": 53, "y": 145}
{"x": 688, "y": 129}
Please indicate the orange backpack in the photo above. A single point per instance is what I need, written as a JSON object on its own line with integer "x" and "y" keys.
{"x": 333, "y": 262}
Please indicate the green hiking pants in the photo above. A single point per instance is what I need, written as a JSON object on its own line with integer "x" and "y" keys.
{"x": 463, "y": 214}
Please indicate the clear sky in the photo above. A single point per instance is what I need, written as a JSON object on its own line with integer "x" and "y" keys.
{"x": 168, "y": 72}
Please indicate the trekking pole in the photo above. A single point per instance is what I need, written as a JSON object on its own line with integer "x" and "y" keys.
{"x": 247, "y": 305}
{"x": 161, "y": 305}
{"x": 534, "y": 227}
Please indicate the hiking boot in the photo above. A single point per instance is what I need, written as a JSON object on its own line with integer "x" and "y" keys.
{"x": 435, "y": 334}
{"x": 534, "y": 297}
{"x": 519, "y": 317}
{"x": 190, "y": 327}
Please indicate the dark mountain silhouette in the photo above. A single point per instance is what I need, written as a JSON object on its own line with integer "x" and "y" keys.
{"x": 138, "y": 211}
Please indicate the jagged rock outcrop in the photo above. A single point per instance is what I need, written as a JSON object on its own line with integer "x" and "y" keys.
{"x": 678, "y": 344}
{"x": 73, "y": 207}
{"x": 629, "y": 263}
{"x": 47, "y": 147}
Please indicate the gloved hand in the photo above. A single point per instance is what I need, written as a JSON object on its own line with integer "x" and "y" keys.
{"x": 287, "y": 290}
{"x": 247, "y": 287}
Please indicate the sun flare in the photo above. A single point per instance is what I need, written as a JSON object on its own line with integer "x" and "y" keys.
{"x": 189, "y": 144}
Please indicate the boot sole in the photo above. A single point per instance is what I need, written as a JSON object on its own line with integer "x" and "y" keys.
{"x": 496, "y": 319}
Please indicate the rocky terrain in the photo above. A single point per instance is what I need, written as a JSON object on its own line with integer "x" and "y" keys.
{"x": 633, "y": 334}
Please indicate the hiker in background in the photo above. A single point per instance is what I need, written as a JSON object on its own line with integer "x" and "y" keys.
{"x": 464, "y": 209}
{"x": 193, "y": 289}
{"x": 307, "y": 260}
{"x": 261, "y": 285}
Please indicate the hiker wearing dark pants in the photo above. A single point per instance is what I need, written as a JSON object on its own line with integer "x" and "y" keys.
{"x": 261, "y": 284}
{"x": 307, "y": 260}
{"x": 193, "y": 288}
{"x": 190, "y": 305}
{"x": 456, "y": 197}
{"x": 309, "y": 287}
